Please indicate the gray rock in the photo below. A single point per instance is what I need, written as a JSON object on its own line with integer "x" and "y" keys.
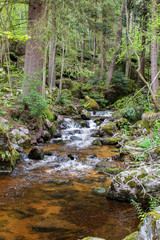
{"x": 24, "y": 130}
{"x": 48, "y": 124}
{"x": 138, "y": 184}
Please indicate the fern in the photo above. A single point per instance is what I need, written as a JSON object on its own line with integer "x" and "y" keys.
{"x": 141, "y": 213}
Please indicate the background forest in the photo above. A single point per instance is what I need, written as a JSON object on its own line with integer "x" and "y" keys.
{"x": 58, "y": 52}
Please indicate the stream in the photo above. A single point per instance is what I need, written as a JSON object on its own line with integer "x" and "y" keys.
{"x": 54, "y": 199}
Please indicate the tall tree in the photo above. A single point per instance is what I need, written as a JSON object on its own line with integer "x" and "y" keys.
{"x": 154, "y": 66}
{"x": 34, "y": 55}
{"x": 119, "y": 34}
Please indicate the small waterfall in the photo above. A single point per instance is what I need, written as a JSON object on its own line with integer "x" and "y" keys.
{"x": 75, "y": 135}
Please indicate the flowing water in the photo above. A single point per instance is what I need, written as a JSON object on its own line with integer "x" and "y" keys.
{"x": 53, "y": 198}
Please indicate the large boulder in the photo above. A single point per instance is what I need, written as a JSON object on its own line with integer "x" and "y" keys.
{"x": 8, "y": 155}
{"x": 108, "y": 128}
{"x": 138, "y": 184}
{"x": 21, "y": 137}
{"x": 149, "y": 119}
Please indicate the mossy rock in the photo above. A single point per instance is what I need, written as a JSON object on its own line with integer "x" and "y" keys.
{"x": 151, "y": 225}
{"x": 113, "y": 171}
{"x": 8, "y": 155}
{"x": 100, "y": 191}
{"x": 91, "y": 104}
{"x": 108, "y": 128}
{"x": 97, "y": 142}
{"x": 148, "y": 120}
{"x": 110, "y": 141}
{"x": 132, "y": 236}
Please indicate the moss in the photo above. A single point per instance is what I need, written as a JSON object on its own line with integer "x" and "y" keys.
{"x": 114, "y": 171}
{"x": 15, "y": 157}
{"x": 48, "y": 114}
{"x": 109, "y": 128}
{"x": 97, "y": 142}
{"x": 110, "y": 141}
{"x": 8, "y": 155}
{"x": 132, "y": 236}
{"x": 92, "y": 104}
{"x": 132, "y": 184}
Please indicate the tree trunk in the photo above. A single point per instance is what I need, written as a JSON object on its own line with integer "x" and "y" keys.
{"x": 144, "y": 28}
{"x": 154, "y": 66}
{"x": 34, "y": 55}
{"x": 62, "y": 67}
{"x": 82, "y": 54}
{"x": 52, "y": 51}
{"x": 119, "y": 34}
{"x": 103, "y": 41}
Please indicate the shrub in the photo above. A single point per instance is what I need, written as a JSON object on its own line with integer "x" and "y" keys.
{"x": 124, "y": 84}
{"x": 33, "y": 99}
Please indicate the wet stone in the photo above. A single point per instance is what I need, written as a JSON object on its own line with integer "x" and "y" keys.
{"x": 74, "y": 138}
{"x": 93, "y": 156}
{"x": 100, "y": 191}
{"x": 58, "y": 181}
{"x": 48, "y": 153}
{"x": 36, "y": 153}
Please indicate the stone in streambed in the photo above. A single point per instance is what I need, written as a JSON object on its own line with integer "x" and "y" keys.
{"x": 100, "y": 191}
{"x": 97, "y": 142}
{"x": 58, "y": 181}
{"x": 110, "y": 141}
{"x": 48, "y": 153}
{"x": 85, "y": 115}
{"x": 36, "y": 153}
{"x": 108, "y": 128}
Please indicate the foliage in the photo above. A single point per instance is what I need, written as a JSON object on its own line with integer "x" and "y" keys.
{"x": 132, "y": 107}
{"x": 141, "y": 213}
{"x": 33, "y": 99}
{"x": 65, "y": 97}
{"x": 98, "y": 77}
{"x": 124, "y": 85}
{"x": 153, "y": 203}
{"x": 153, "y": 138}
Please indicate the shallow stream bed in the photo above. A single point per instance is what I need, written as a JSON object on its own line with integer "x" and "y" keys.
{"x": 53, "y": 199}
{"x": 32, "y": 206}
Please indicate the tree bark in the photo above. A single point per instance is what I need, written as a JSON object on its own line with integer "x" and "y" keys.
{"x": 103, "y": 41}
{"x": 144, "y": 28}
{"x": 52, "y": 50}
{"x": 119, "y": 34}
{"x": 34, "y": 55}
{"x": 154, "y": 66}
